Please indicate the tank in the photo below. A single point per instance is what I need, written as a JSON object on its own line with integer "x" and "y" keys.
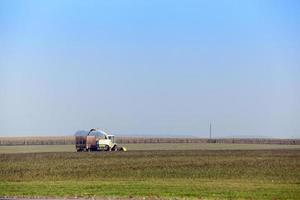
{"x": 91, "y": 143}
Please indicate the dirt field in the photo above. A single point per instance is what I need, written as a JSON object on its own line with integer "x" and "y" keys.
{"x": 147, "y": 147}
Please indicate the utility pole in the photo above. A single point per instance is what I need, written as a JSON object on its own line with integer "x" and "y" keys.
{"x": 210, "y": 131}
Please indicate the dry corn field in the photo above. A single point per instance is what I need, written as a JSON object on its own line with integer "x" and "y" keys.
{"x": 62, "y": 140}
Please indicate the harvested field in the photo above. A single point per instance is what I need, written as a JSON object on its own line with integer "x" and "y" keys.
{"x": 148, "y": 146}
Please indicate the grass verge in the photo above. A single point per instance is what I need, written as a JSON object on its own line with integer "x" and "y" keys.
{"x": 158, "y": 188}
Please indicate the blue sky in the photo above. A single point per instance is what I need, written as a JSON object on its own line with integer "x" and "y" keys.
{"x": 150, "y": 67}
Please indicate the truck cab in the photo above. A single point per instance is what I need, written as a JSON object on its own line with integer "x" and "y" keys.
{"x": 107, "y": 143}
{"x": 111, "y": 137}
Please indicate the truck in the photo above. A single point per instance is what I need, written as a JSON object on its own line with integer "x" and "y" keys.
{"x": 96, "y": 140}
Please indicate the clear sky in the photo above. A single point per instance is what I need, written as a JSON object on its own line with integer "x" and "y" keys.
{"x": 150, "y": 67}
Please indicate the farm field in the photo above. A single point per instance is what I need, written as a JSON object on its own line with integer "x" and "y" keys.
{"x": 198, "y": 173}
{"x": 149, "y": 146}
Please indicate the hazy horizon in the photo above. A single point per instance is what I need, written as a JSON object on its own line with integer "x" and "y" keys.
{"x": 215, "y": 134}
{"x": 143, "y": 67}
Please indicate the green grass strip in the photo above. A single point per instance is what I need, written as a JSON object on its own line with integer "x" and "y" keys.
{"x": 159, "y": 188}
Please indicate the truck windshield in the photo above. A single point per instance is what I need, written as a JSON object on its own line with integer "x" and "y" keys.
{"x": 112, "y": 138}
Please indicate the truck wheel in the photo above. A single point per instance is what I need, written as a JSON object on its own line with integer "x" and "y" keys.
{"x": 115, "y": 148}
{"x": 106, "y": 148}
